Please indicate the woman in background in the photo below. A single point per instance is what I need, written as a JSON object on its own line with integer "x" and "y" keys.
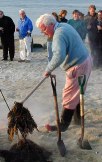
{"x": 62, "y": 16}
{"x": 78, "y": 24}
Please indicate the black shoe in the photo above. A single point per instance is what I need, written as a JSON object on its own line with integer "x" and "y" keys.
{"x": 77, "y": 117}
{"x": 4, "y": 59}
{"x": 21, "y": 60}
{"x": 27, "y": 61}
{"x": 11, "y": 59}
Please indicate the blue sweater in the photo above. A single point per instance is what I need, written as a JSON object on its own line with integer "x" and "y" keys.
{"x": 24, "y": 26}
{"x": 67, "y": 47}
{"x": 79, "y": 26}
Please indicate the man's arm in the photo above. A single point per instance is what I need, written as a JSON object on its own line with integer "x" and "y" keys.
{"x": 30, "y": 26}
{"x": 59, "y": 52}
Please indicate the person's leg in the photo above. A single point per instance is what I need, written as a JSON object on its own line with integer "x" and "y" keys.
{"x": 71, "y": 94}
{"x": 77, "y": 117}
{"x": 93, "y": 51}
{"x": 4, "y": 42}
{"x": 95, "y": 56}
{"x": 99, "y": 55}
{"x": 49, "y": 50}
{"x": 22, "y": 49}
{"x": 70, "y": 99}
{"x": 66, "y": 117}
{"x": 11, "y": 47}
{"x": 28, "y": 47}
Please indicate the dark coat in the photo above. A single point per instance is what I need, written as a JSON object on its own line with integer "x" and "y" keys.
{"x": 8, "y": 26}
{"x": 63, "y": 19}
{"x": 92, "y": 31}
{"x": 99, "y": 35}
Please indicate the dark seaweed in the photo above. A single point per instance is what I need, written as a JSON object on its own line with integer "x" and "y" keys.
{"x": 19, "y": 118}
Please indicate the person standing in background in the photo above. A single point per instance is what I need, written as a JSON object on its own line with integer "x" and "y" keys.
{"x": 62, "y": 16}
{"x": 24, "y": 29}
{"x": 56, "y": 16}
{"x": 90, "y": 20}
{"x": 7, "y": 29}
{"x": 99, "y": 38}
{"x": 81, "y": 15}
{"x": 78, "y": 24}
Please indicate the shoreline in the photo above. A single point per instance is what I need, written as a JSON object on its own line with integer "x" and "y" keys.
{"x": 37, "y": 39}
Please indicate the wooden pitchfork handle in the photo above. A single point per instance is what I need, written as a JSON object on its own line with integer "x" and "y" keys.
{"x": 5, "y": 100}
{"x": 82, "y": 80}
{"x": 53, "y": 83}
{"x": 36, "y": 87}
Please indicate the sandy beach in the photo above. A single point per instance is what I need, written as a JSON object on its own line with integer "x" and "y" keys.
{"x": 18, "y": 79}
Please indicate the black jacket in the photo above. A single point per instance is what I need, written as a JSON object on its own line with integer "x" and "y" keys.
{"x": 64, "y": 20}
{"x": 92, "y": 31}
{"x": 99, "y": 35}
{"x": 8, "y": 26}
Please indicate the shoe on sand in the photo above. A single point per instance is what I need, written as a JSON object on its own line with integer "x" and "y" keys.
{"x": 4, "y": 59}
{"x": 51, "y": 128}
{"x": 48, "y": 128}
{"x": 27, "y": 61}
{"x": 21, "y": 60}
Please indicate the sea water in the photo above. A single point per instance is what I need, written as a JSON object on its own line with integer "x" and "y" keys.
{"x": 34, "y": 8}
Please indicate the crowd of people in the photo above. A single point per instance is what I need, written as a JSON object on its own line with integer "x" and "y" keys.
{"x": 86, "y": 25}
{"x": 66, "y": 48}
{"x": 90, "y": 25}
{"x": 24, "y": 29}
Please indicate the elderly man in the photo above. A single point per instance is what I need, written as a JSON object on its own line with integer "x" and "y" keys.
{"x": 24, "y": 29}
{"x": 69, "y": 52}
{"x": 7, "y": 29}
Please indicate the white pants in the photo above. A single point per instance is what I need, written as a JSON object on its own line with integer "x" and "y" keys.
{"x": 25, "y": 48}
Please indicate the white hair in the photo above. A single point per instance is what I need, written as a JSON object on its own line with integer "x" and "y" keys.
{"x": 46, "y": 20}
{"x": 21, "y": 11}
{"x": 1, "y": 11}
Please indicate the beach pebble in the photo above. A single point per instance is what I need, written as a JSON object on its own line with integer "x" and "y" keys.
{"x": 97, "y": 152}
{"x": 100, "y": 135}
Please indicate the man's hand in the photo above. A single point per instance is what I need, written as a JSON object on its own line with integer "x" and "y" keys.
{"x": 29, "y": 34}
{"x": 47, "y": 74}
{"x": 1, "y": 29}
{"x": 99, "y": 27}
{"x": 17, "y": 30}
{"x": 89, "y": 27}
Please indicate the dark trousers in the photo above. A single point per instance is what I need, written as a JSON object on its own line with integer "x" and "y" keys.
{"x": 8, "y": 45}
{"x": 99, "y": 55}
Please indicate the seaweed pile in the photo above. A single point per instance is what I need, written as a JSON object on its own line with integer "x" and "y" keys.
{"x": 19, "y": 118}
{"x": 25, "y": 151}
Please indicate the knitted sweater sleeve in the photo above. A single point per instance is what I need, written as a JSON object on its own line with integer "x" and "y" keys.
{"x": 59, "y": 52}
